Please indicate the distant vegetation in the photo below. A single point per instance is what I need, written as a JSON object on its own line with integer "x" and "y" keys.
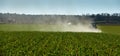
{"x": 106, "y": 18}
{"x": 103, "y": 18}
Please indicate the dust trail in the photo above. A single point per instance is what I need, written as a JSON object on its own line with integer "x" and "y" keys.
{"x": 85, "y": 24}
{"x": 74, "y": 24}
{"x": 80, "y": 28}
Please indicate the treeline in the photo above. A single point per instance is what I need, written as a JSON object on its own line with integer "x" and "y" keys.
{"x": 8, "y": 18}
{"x": 103, "y": 18}
{"x": 106, "y": 18}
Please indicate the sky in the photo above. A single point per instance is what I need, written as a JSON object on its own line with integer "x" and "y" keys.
{"x": 70, "y": 7}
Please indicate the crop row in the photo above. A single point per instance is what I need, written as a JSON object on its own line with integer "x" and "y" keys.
{"x": 58, "y": 44}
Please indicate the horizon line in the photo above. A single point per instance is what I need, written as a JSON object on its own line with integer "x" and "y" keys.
{"x": 51, "y": 13}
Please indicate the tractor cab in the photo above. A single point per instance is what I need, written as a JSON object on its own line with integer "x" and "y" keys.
{"x": 94, "y": 25}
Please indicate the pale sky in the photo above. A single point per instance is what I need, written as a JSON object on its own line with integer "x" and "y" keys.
{"x": 71, "y": 7}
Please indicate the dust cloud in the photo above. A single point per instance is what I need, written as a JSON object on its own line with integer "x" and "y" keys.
{"x": 74, "y": 24}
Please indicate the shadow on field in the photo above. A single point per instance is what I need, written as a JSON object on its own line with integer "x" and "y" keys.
{"x": 2, "y": 52}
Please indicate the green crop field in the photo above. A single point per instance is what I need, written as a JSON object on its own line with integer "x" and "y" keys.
{"x": 37, "y": 27}
{"x": 115, "y": 29}
{"x": 58, "y": 44}
{"x": 26, "y": 40}
{"x": 29, "y": 27}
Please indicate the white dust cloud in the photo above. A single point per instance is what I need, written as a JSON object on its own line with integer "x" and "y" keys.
{"x": 74, "y": 24}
